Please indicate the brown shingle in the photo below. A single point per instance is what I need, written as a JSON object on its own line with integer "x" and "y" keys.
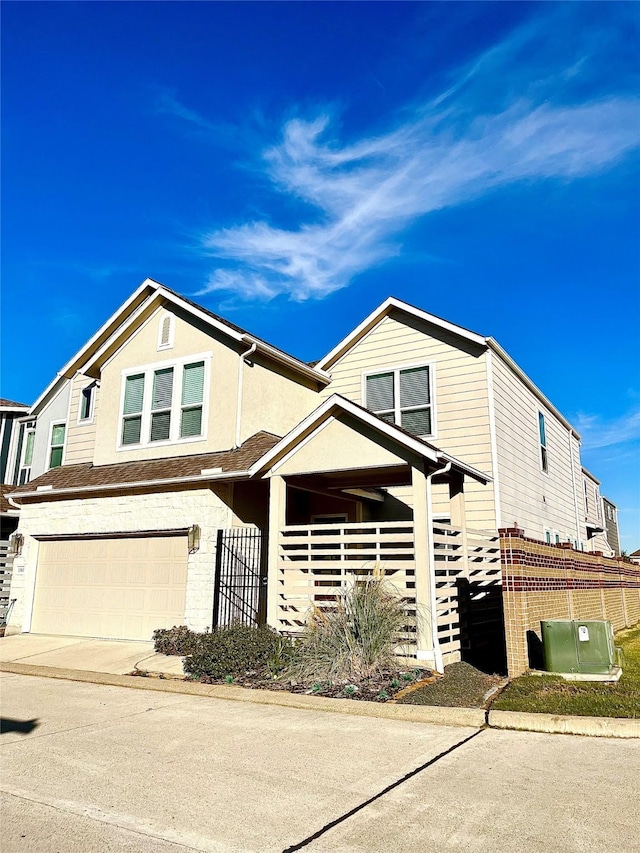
{"x": 5, "y": 506}
{"x": 11, "y": 404}
{"x": 175, "y": 467}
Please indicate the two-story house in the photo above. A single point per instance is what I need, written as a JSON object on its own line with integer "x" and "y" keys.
{"x": 172, "y": 425}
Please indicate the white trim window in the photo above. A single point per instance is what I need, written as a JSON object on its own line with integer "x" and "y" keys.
{"x": 56, "y": 444}
{"x": 403, "y": 396}
{"x": 166, "y": 328}
{"x": 87, "y": 400}
{"x": 544, "y": 459}
{"x": 27, "y": 456}
{"x": 547, "y": 536}
{"x": 163, "y": 403}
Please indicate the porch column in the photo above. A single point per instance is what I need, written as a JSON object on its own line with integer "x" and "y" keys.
{"x": 458, "y": 514}
{"x": 277, "y": 516}
{"x": 423, "y": 538}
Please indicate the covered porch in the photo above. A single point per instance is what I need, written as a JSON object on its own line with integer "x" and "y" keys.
{"x": 353, "y": 495}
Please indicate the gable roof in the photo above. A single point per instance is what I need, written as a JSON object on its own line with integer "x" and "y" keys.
{"x": 336, "y": 404}
{"x": 393, "y": 304}
{"x": 200, "y": 467}
{"x": 135, "y": 305}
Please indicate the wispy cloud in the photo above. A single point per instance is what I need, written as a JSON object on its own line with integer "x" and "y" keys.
{"x": 167, "y": 102}
{"x": 598, "y": 433}
{"x": 360, "y": 195}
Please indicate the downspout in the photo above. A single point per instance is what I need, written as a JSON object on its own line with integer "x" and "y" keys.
{"x": 241, "y": 361}
{"x": 575, "y": 494}
{"x": 437, "y": 654}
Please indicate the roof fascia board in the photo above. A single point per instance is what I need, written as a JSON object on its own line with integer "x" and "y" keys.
{"x": 71, "y": 364}
{"x": 198, "y": 478}
{"x": 504, "y": 355}
{"x": 14, "y": 408}
{"x": 288, "y": 360}
{"x": 379, "y": 314}
{"x": 590, "y": 476}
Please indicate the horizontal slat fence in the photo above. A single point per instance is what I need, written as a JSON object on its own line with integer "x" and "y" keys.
{"x": 6, "y": 568}
{"x": 316, "y": 561}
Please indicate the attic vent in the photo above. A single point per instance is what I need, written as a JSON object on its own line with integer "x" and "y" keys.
{"x": 165, "y": 332}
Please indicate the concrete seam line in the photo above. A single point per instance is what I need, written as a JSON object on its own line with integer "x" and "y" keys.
{"x": 306, "y": 841}
{"x": 51, "y": 804}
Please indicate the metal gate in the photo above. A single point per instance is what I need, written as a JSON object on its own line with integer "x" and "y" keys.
{"x": 240, "y": 581}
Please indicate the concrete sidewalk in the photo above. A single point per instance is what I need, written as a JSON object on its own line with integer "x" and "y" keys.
{"x": 116, "y": 657}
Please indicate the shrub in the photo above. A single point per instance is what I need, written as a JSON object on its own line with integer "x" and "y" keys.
{"x": 178, "y": 640}
{"x": 356, "y": 638}
{"x": 232, "y": 651}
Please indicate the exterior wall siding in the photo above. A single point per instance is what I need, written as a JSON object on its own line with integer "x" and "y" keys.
{"x": 122, "y": 514}
{"x": 56, "y": 411}
{"x": 461, "y": 398}
{"x": 81, "y": 436}
{"x": 530, "y": 498}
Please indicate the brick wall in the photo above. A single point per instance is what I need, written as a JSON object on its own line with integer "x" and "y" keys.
{"x": 542, "y": 581}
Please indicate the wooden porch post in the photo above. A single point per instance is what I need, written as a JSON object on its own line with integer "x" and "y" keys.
{"x": 423, "y": 538}
{"x": 458, "y": 514}
{"x": 277, "y": 516}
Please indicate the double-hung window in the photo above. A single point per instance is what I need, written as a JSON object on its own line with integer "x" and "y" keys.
{"x": 403, "y": 396}
{"x": 132, "y": 411}
{"x": 163, "y": 403}
{"x": 56, "y": 447}
{"x": 544, "y": 462}
{"x": 192, "y": 399}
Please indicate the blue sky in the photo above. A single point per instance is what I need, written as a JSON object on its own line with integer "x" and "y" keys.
{"x": 292, "y": 164}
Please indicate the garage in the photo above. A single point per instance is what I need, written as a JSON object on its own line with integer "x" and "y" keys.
{"x": 110, "y": 586}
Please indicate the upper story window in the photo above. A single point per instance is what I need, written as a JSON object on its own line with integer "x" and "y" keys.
{"x": 403, "y": 396}
{"x": 165, "y": 331}
{"x": 27, "y": 456}
{"x": 87, "y": 395}
{"x": 56, "y": 444}
{"x": 544, "y": 461}
{"x": 163, "y": 404}
{"x": 586, "y": 497}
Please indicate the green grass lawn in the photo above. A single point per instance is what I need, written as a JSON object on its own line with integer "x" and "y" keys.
{"x": 552, "y": 695}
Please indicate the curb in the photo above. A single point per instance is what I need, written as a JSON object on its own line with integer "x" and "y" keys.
{"x": 559, "y": 724}
{"x": 469, "y": 717}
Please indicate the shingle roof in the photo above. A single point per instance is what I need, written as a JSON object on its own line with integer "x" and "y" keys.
{"x": 85, "y": 476}
{"x": 5, "y": 506}
{"x": 11, "y": 404}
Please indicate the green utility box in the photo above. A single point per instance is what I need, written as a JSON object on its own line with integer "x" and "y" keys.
{"x": 581, "y": 647}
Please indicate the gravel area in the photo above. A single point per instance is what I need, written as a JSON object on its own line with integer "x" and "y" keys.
{"x": 463, "y": 686}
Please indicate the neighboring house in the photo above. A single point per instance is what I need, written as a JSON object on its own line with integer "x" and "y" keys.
{"x": 9, "y": 514}
{"x": 594, "y": 515}
{"x": 635, "y": 557}
{"x": 172, "y": 427}
{"x": 611, "y": 525}
{"x": 10, "y": 415}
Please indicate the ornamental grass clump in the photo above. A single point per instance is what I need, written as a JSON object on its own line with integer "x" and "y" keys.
{"x": 355, "y": 638}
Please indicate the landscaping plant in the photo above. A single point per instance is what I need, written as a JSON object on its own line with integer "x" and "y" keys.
{"x": 233, "y": 651}
{"x": 355, "y": 638}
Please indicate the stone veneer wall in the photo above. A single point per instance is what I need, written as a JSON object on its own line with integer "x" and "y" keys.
{"x": 123, "y": 513}
{"x": 542, "y": 581}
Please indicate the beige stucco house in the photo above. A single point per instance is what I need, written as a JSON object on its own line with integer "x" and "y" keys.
{"x": 173, "y": 434}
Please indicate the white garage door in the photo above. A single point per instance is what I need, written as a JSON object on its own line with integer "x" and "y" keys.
{"x": 122, "y": 588}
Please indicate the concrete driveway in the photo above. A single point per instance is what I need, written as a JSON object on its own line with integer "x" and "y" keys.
{"x": 88, "y": 767}
{"x": 117, "y": 657}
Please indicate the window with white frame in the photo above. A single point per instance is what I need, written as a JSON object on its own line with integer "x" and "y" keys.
{"x": 544, "y": 461}
{"x": 403, "y": 396}
{"x": 86, "y": 403}
{"x": 56, "y": 444}
{"x": 27, "y": 456}
{"x": 163, "y": 404}
{"x": 547, "y": 536}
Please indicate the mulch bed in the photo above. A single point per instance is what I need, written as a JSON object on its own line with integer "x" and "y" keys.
{"x": 379, "y": 689}
{"x": 462, "y": 686}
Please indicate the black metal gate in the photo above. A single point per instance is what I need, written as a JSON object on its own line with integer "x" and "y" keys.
{"x": 240, "y": 582}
